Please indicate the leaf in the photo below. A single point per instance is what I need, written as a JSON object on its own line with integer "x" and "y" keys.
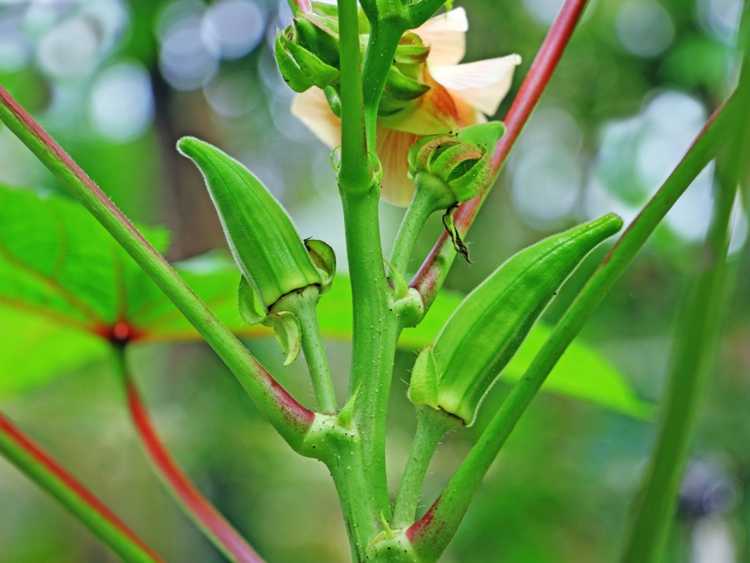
{"x": 582, "y": 372}
{"x": 34, "y": 350}
{"x": 64, "y": 282}
{"x": 58, "y": 261}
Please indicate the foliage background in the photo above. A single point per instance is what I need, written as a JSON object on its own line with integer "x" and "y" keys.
{"x": 119, "y": 82}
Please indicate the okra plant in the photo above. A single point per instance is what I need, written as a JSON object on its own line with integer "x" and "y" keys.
{"x": 379, "y": 82}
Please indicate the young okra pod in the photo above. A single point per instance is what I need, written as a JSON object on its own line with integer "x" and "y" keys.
{"x": 272, "y": 258}
{"x": 455, "y": 373}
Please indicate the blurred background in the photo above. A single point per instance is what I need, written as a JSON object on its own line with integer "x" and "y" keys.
{"x": 118, "y": 82}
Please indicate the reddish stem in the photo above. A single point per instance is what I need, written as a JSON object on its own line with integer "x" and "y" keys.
{"x": 22, "y": 441}
{"x": 304, "y": 5}
{"x": 227, "y": 538}
{"x": 433, "y": 270}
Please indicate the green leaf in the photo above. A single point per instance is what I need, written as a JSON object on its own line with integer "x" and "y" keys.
{"x": 64, "y": 282}
{"x": 582, "y": 372}
{"x": 34, "y": 350}
{"x": 58, "y": 261}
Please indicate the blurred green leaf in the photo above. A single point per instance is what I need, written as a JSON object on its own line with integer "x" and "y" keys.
{"x": 64, "y": 283}
{"x": 35, "y": 350}
{"x": 56, "y": 260}
{"x": 698, "y": 62}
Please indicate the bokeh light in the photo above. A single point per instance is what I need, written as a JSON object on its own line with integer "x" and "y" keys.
{"x": 122, "y": 104}
{"x": 233, "y": 28}
{"x": 644, "y": 27}
{"x": 547, "y": 169}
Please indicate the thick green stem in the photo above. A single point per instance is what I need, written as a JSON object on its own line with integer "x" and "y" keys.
{"x": 354, "y": 491}
{"x": 432, "y": 533}
{"x": 372, "y": 354}
{"x": 208, "y": 519}
{"x": 373, "y": 351}
{"x": 42, "y": 469}
{"x": 431, "y": 428}
{"x": 304, "y": 306}
{"x": 354, "y": 175}
{"x": 291, "y": 419}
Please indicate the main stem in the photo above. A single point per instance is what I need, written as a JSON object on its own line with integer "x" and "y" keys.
{"x": 372, "y": 354}
{"x": 355, "y": 495}
{"x": 30, "y": 459}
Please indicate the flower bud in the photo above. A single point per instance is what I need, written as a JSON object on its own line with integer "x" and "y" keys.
{"x": 301, "y": 69}
{"x": 406, "y": 82}
{"x": 319, "y": 37}
{"x": 400, "y": 92}
{"x": 272, "y": 258}
{"x": 455, "y": 168}
{"x": 411, "y": 51}
{"x": 455, "y": 373}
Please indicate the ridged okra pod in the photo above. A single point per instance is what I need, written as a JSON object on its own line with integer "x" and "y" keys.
{"x": 269, "y": 252}
{"x": 455, "y": 373}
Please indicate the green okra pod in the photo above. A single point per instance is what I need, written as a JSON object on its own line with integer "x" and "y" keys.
{"x": 455, "y": 373}
{"x": 272, "y": 258}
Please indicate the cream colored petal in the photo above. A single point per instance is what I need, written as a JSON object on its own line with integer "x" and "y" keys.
{"x": 393, "y": 151}
{"x": 311, "y": 107}
{"x": 445, "y": 34}
{"x": 483, "y": 84}
{"x": 439, "y": 111}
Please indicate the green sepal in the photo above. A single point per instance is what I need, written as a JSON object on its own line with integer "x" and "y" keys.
{"x": 288, "y": 333}
{"x": 324, "y": 259}
{"x": 401, "y": 92}
{"x": 333, "y": 99}
{"x": 321, "y": 73}
{"x": 490, "y": 324}
{"x": 252, "y": 309}
{"x": 423, "y": 386}
{"x": 402, "y": 88}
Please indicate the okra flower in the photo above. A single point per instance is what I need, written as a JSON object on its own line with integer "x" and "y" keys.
{"x": 459, "y": 95}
